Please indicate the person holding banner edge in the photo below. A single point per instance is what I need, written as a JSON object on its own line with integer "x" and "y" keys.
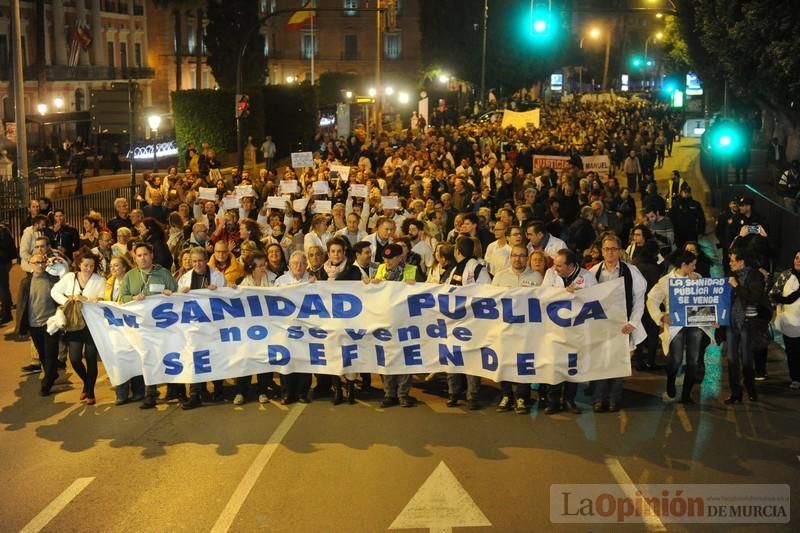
{"x": 145, "y": 280}
{"x": 608, "y": 392}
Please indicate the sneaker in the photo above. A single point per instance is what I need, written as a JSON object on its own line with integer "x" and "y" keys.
{"x": 520, "y": 408}
{"x": 794, "y": 385}
{"x": 405, "y": 401}
{"x": 31, "y": 369}
{"x": 262, "y": 398}
{"x": 761, "y": 377}
{"x": 504, "y": 405}
{"x": 238, "y": 399}
{"x": 389, "y": 402}
{"x": 452, "y": 401}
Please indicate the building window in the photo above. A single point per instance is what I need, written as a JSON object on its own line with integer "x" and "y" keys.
{"x": 111, "y": 55}
{"x": 123, "y": 55}
{"x": 79, "y": 98}
{"x": 138, "y": 8}
{"x": 351, "y": 46}
{"x": 137, "y": 54}
{"x": 393, "y": 45}
{"x": 350, "y": 7}
{"x": 122, "y": 7}
{"x": 310, "y": 39}
{"x": 5, "y": 58}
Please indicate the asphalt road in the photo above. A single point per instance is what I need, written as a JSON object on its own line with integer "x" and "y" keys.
{"x": 358, "y": 468}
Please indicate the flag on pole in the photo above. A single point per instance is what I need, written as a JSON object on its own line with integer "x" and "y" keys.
{"x": 300, "y": 19}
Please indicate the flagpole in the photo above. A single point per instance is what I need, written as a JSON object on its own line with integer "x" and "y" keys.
{"x": 313, "y": 48}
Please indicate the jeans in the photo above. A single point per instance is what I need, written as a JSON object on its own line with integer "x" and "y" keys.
{"x": 793, "y": 356}
{"x": 517, "y": 390}
{"x": 740, "y": 359}
{"x": 47, "y": 346}
{"x": 397, "y": 385}
{"x": 609, "y": 390}
{"x": 455, "y": 385}
{"x": 295, "y": 385}
{"x": 688, "y": 342}
{"x": 570, "y": 390}
{"x": 243, "y": 383}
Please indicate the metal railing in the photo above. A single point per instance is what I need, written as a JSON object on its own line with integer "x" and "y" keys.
{"x": 14, "y": 208}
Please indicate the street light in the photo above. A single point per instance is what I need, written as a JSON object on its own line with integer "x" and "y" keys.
{"x": 403, "y": 97}
{"x": 348, "y": 94}
{"x": 389, "y": 90}
{"x": 289, "y": 79}
{"x": 42, "y": 109}
{"x": 444, "y": 78}
{"x": 372, "y": 92}
{"x": 154, "y": 121}
{"x": 58, "y": 103}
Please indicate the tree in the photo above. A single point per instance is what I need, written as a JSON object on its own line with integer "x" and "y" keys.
{"x": 228, "y": 22}
{"x": 753, "y": 46}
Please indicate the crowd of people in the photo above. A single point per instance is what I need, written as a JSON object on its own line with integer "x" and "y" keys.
{"x": 453, "y": 205}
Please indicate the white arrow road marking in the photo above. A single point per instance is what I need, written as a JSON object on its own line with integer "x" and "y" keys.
{"x": 239, "y": 495}
{"x": 56, "y": 506}
{"x": 440, "y": 504}
{"x": 651, "y": 521}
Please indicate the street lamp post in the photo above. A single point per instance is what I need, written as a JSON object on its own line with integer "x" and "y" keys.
{"x": 483, "y": 52}
{"x": 154, "y": 121}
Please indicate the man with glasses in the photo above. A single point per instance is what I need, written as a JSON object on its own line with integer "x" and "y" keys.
{"x": 499, "y": 251}
{"x": 608, "y": 392}
{"x": 223, "y": 261}
{"x": 518, "y": 275}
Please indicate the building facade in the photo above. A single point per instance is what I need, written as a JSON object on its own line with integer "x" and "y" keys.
{"x": 343, "y": 39}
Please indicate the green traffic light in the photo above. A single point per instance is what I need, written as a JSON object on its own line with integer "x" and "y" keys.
{"x": 637, "y": 62}
{"x": 726, "y": 138}
{"x": 539, "y": 26}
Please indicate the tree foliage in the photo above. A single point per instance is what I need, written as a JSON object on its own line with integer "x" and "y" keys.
{"x": 752, "y": 44}
{"x": 229, "y": 23}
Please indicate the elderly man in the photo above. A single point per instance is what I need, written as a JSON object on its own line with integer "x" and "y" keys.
{"x": 295, "y": 386}
{"x": 157, "y": 209}
{"x": 199, "y": 277}
{"x": 122, "y": 220}
{"x": 497, "y": 254}
{"x": 517, "y": 275}
{"x": 224, "y": 261}
{"x": 198, "y": 237}
{"x": 384, "y": 231}
{"x": 566, "y": 273}
{"x": 608, "y": 392}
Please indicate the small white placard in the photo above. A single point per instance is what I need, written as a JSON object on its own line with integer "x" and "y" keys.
{"x": 244, "y": 191}
{"x": 230, "y": 202}
{"x": 302, "y": 159}
{"x": 300, "y": 204}
{"x": 358, "y": 190}
{"x": 322, "y": 206}
{"x": 288, "y": 221}
{"x": 390, "y": 202}
{"x": 342, "y": 170}
{"x": 321, "y": 188}
{"x": 289, "y": 187}
{"x": 207, "y": 193}
{"x": 276, "y": 202}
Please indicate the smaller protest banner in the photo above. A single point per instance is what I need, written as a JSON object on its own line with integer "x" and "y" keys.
{"x": 358, "y": 190}
{"x": 321, "y": 188}
{"x": 521, "y": 119}
{"x": 244, "y": 191}
{"x": 598, "y": 164}
{"x": 276, "y": 202}
{"x": 230, "y": 202}
{"x": 207, "y": 193}
{"x": 322, "y": 206}
{"x": 556, "y": 162}
{"x": 302, "y": 159}
{"x": 340, "y": 171}
{"x": 289, "y": 187}
{"x": 699, "y": 302}
{"x": 300, "y": 204}
{"x": 390, "y": 202}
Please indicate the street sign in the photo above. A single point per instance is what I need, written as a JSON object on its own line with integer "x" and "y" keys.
{"x": 440, "y": 504}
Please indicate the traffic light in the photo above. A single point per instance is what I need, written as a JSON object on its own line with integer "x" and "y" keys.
{"x": 242, "y": 106}
{"x": 725, "y": 138}
{"x": 636, "y": 62}
{"x": 540, "y": 17}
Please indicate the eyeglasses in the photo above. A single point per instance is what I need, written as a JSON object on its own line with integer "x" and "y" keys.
{"x": 38, "y": 262}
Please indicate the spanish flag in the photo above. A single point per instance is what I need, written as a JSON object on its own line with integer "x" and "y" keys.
{"x": 300, "y": 19}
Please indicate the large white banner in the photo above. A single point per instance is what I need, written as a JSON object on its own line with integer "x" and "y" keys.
{"x": 524, "y": 335}
{"x": 520, "y": 119}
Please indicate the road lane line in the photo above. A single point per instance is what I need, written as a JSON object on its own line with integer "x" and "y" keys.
{"x": 56, "y": 506}
{"x": 651, "y": 521}
{"x": 247, "y": 483}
